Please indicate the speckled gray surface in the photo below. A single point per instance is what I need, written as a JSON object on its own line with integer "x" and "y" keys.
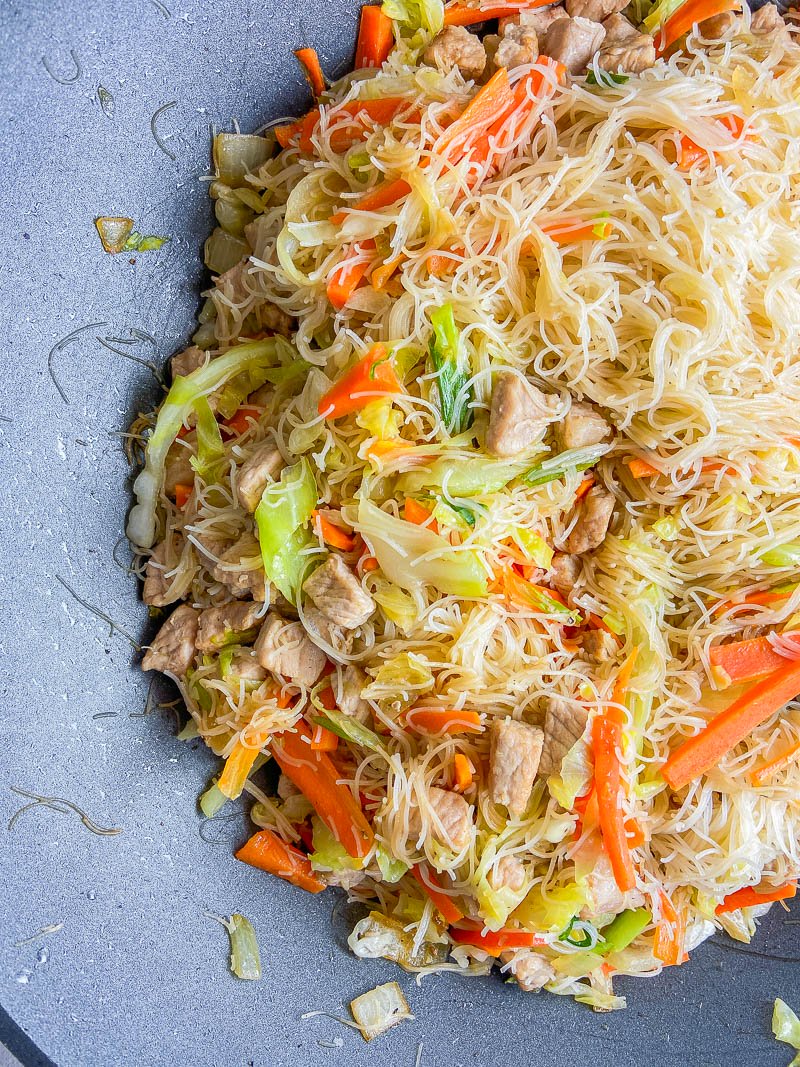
{"x": 136, "y": 975}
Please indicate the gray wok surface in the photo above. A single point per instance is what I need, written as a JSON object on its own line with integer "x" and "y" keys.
{"x": 137, "y": 975}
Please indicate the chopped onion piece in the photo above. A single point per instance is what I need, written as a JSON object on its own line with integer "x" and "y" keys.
{"x": 380, "y": 1009}
{"x": 223, "y": 251}
{"x": 239, "y": 154}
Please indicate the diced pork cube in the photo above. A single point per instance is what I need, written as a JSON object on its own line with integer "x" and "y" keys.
{"x": 625, "y": 50}
{"x": 539, "y": 19}
{"x": 156, "y": 584}
{"x": 596, "y": 10}
{"x": 564, "y": 572}
{"x": 582, "y": 426}
{"x": 221, "y": 625}
{"x": 516, "y": 46}
{"x": 286, "y": 649}
{"x": 519, "y": 416}
{"x": 256, "y": 473}
{"x": 514, "y": 759}
{"x": 599, "y": 646}
{"x": 455, "y": 46}
{"x": 241, "y": 570}
{"x": 338, "y": 594}
{"x": 508, "y": 873}
{"x": 531, "y": 970}
{"x": 348, "y": 690}
{"x": 573, "y": 42}
{"x": 173, "y": 647}
{"x": 323, "y": 629}
{"x": 454, "y": 815}
{"x": 594, "y": 516}
{"x": 564, "y": 723}
{"x": 245, "y": 665}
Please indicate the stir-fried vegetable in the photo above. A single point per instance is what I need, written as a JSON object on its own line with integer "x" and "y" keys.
{"x": 268, "y": 852}
{"x": 245, "y": 959}
{"x": 572, "y": 460}
{"x": 452, "y": 381}
{"x": 372, "y": 377}
{"x": 179, "y": 403}
{"x": 786, "y": 1027}
{"x": 380, "y": 1009}
{"x": 282, "y": 513}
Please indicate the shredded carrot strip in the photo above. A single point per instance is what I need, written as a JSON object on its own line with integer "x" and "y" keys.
{"x": 316, "y": 776}
{"x": 182, "y": 494}
{"x": 359, "y": 115}
{"x": 569, "y": 229}
{"x": 640, "y": 468}
{"x": 690, "y": 153}
{"x": 760, "y": 773}
{"x": 702, "y": 752}
{"x": 760, "y": 598}
{"x": 382, "y": 274}
{"x": 743, "y": 661}
{"x": 461, "y": 14}
{"x": 442, "y": 721}
{"x": 347, "y": 276}
{"x": 670, "y": 934}
{"x": 309, "y": 60}
{"x": 417, "y": 513}
{"x": 268, "y": 852}
{"x": 384, "y": 195}
{"x": 375, "y": 38}
{"x": 443, "y": 902}
{"x": 584, "y": 487}
{"x": 688, "y": 15}
{"x": 371, "y": 378}
{"x": 752, "y": 896}
{"x": 463, "y": 772}
{"x": 237, "y": 767}
{"x": 333, "y": 535}
{"x": 323, "y": 740}
{"x": 495, "y": 942}
{"x": 242, "y": 421}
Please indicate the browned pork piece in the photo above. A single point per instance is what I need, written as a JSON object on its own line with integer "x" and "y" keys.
{"x": 455, "y": 46}
{"x": 573, "y": 42}
{"x": 156, "y": 585}
{"x": 183, "y": 363}
{"x": 564, "y": 723}
{"x": 455, "y": 816}
{"x": 594, "y": 516}
{"x": 338, "y": 594}
{"x": 519, "y": 416}
{"x": 563, "y": 573}
{"x": 582, "y": 427}
{"x": 531, "y": 970}
{"x": 513, "y": 762}
{"x": 241, "y": 570}
{"x": 286, "y": 649}
{"x": 173, "y": 647}
{"x": 599, "y": 646}
{"x": 256, "y": 473}
{"x": 218, "y": 625}
{"x": 624, "y": 48}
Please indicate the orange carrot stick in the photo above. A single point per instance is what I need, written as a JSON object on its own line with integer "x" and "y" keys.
{"x": 442, "y": 721}
{"x": 752, "y": 896}
{"x": 309, "y": 61}
{"x": 383, "y": 195}
{"x": 687, "y": 16}
{"x": 347, "y": 275}
{"x": 316, "y": 776}
{"x": 697, "y": 755}
{"x": 417, "y": 513}
{"x": 760, "y": 773}
{"x": 371, "y": 378}
{"x": 640, "y": 468}
{"x": 375, "y": 38}
{"x": 495, "y": 942}
{"x": 443, "y": 902}
{"x": 742, "y": 661}
{"x": 323, "y": 740}
{"x": 241, "y": 421}
{"x": 491, "y": 101}
{"x": 670, "y": 934}
{"x": 268, "y": 852}
{"x": 463, "y": 772}
{"x": 333, "y": 535}
{"x": 461, "y": 14}
{"x": 182, "y": 494}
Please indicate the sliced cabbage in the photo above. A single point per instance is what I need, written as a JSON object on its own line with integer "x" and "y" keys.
{"x": 380, "y": 1009}
{"x": 210, "y": 458}
{"x": 787, "y": 555}
{"x": 397, "y": 605}
{"x": 495, "y": 904}
{"x": 329, "y": 854}
{"x": 212, "y": 801}
{"x": 411, "y": 555}
{"x": 600, "y": 1001}
{"x": 786, "y": 1027}
{"x": 534, "y": 546}
{"x": 380, "y": 419}
{"x": 245, "y": 959}
{"x": 392, "y": 870}
{"x": 283, "y": 511}
{"x": 553, "y": 912}
{"x": 179, "y": 402}
{"x": 405, "y": 671}
{"x": 416, "y": 14}
{"x": 452, "y": 374}
{"x": 463, "y": 476}
{"x": 572, "y": 781}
